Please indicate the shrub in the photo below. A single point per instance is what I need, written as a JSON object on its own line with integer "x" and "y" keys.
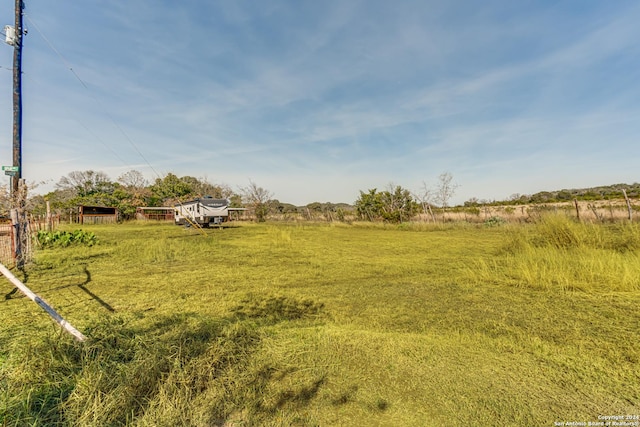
{"x": 50, "y": 239}
{"x": 494, "y": 221}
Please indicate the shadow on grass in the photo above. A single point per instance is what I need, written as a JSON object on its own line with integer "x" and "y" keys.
{"x": 82, "y": 286}
{"x": 25, "y": 278}
{"x": 151, "y": 371}
{"x": 10, "y": 294}
{"x": 273, "y": 309}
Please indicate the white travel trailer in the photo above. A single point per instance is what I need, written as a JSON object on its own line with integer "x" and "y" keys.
{"x": 203, "y": 211}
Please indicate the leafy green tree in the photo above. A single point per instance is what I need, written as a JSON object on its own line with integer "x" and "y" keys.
{"x": 82, "y": 188}
{"x": 236, "y": 200}
{"x": 369, "y": 205}
{"x": 131, "y": 191}
{"x": 398, "y": 204}
{"x": 394, "y": 205}
{"x": 564, "y": 195}
{"x": 283, "y": 208}
{"x": 170, "y": 190}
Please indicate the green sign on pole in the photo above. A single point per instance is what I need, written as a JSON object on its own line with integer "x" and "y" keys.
{"x": 10, "y": 168}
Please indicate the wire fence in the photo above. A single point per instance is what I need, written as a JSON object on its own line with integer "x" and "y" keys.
{"x": 7, "y": 245}
{"x": 8, "y": 242}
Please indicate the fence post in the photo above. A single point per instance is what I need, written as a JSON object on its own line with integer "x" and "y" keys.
{"x": 48, "y": 225}
{"x": 15, "y": 236}
{"x": 628, "y": 203}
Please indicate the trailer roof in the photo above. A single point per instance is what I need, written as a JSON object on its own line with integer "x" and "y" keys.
{"x": 207, "y": 201}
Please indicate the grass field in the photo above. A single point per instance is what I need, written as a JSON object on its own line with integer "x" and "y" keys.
{"x": 329, "y": 324}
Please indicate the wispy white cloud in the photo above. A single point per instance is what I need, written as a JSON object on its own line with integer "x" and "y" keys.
{"x": 356, "y": 90}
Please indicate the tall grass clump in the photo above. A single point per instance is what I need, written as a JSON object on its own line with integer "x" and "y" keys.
{"x": 557, "y": 252}
{"x": 151, "y": 374}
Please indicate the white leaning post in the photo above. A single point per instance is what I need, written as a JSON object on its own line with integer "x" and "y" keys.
{"x": 35, "y": 298}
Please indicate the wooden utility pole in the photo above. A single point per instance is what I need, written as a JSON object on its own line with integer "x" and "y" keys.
{"x": 17, "y": 103}
{"x": 14, "y": 36}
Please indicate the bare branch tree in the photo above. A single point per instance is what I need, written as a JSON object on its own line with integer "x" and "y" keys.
{"x": 445, "y": 191}
{"x": 426, "y": 198}
{"x": 257, "y": 198}
{"x": 83, "y": 183}
{"x": 133, "y": 179}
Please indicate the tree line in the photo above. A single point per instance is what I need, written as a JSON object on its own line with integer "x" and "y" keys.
{"x": 606, "y": 192}
{"x": 132, "y": 190}
{"x": 393, "y": 204}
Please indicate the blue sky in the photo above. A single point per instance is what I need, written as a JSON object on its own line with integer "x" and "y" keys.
{"x": 317, "y": 100}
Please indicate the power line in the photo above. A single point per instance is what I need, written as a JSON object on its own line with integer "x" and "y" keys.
{"x": 107, "y": 146}
{"x": 105, "y": 111}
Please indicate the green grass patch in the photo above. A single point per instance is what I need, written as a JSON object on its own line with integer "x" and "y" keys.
{"x": 328, "y": 324}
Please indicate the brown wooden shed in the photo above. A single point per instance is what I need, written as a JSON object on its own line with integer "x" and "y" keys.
{"x": 97, "y": 215}
{"x": 156, "y": 213}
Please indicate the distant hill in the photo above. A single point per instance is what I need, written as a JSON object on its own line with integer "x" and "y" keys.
{"x": 607, "y": 192}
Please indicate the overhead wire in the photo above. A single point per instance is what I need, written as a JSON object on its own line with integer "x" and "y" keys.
{"x": 104, "y": 109}
{"x": 92, "y": 133}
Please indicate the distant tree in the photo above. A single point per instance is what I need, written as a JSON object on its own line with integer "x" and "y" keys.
{"x": 132, "y": 191}
{"x": 257, "y": 199}
{"x": 133, "y": 180}
{"x": 369, "y": 205}
{"x": 201, "y": 187}
{"x": 36, "y": 204}
{"x": 236, "y": 200}
{"x": 425, "y": 198}
{"x": 542, "y": 197}
{"x": 61, "y": 200}
{"x": 472, "y": 202}
{"x": 170, "y": 189}
{"x": 86, "y": 183}
{"x": 82, "y": 188}
{"x": 223, "y": 191}
{"x": 564, "y": 195}
{"x": 314, "y": 207}
{"x": 281, "y": 207}
{"x": 398, "y": 204}
{"x": 445, "y": 190}
{"x": 393, "y": 205}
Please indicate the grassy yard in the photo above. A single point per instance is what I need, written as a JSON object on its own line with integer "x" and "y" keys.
{"x": 331, "y": 325}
